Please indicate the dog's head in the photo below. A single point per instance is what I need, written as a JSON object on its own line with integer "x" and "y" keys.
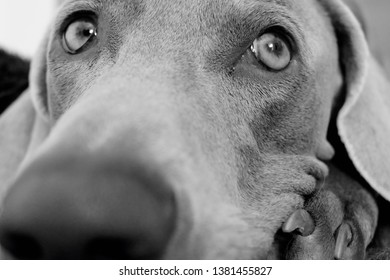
{"x": 180, "y": 129}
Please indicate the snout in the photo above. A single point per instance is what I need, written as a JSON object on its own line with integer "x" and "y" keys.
{"x": 72, "y": 207}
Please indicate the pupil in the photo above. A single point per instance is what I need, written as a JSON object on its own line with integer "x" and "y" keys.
{"x": 271, "y": 47}
{"x": 87, "y": 32}
{"x": 275, "y": 47}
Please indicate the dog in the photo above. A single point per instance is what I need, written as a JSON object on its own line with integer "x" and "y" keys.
{"x": 196, "y": 130}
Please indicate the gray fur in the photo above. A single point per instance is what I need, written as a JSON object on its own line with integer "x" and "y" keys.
{"x": 169, "y": 86}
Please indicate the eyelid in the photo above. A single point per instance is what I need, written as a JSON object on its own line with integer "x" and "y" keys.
{"x": 83, "y": 14}
{"x": 284, "y": 34}
{"x": 73, "y": 7}
{"x": 262, "y": 19}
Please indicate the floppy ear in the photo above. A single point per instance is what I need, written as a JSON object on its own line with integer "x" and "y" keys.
{"x": 25, "y": 124}
{"x": 364, "y": 120}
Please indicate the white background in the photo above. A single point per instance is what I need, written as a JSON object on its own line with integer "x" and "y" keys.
{"x": 281, "y": 270}
{"x": 23, "y": 23}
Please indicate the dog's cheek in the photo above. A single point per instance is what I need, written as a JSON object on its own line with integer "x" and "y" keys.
{"x": 69, "y": 76}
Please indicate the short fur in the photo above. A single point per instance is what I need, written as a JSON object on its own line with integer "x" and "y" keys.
{"x": 169, "y": 89}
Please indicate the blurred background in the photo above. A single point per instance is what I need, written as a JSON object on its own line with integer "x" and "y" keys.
{"x": 23, "y": 23}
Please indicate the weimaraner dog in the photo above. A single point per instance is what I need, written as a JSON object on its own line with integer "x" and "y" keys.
{"x": 210, "y": 129}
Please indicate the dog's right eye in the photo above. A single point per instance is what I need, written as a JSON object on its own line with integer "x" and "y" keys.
{"x": 78, "y": 35}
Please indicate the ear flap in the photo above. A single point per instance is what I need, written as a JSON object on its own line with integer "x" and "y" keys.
{"x": 25, "y": 125}
{"x": 364, "y": 120}
{"x": 38, "y": 86}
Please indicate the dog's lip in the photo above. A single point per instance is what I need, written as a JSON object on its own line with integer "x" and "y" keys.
{"x": 318, "y": 171}
{"x": 299, "y": 221}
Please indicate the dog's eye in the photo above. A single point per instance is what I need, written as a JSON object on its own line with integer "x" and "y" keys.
{"x": 272, "y": 50}
{"x": 78, "y": 34}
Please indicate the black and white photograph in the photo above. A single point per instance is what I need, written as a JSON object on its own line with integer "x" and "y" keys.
{"x": 195, "y": 130}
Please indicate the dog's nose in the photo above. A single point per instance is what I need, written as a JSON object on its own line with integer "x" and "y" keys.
{"x": 88, "y": 209}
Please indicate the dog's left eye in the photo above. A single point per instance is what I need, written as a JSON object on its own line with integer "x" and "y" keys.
{"x": 272, "y": 50}
{"x": 78, "y": 34}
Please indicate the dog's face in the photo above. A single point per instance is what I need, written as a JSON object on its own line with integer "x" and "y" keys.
{"x": 179, "y": 129}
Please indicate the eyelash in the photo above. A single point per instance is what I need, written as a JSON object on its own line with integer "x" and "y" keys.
{"x": 75, "y": 16}
{"x": 284, "y": 33}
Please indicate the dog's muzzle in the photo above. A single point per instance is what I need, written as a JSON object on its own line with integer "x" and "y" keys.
{"x": 90, "y": 208}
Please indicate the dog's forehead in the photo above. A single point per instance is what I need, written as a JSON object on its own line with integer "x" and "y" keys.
{"x": 203, "y": 22}
{"x": 201, "y": 32}
{"x": 286, "y": 3}
{"x": 215, "y": 9}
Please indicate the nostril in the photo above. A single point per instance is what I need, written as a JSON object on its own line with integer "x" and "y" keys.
{"x": 89, "y": 210}
{"x": 22, "y": 246}
{"x": 110, "y": 248}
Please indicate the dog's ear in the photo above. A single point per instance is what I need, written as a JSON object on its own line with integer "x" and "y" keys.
{"x": 363, "y": 121}
{"x": 38, "y": 85}
{"x": 25, "y": 124}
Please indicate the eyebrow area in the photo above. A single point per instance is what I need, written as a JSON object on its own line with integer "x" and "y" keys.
{"x": 77, "y": 5}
